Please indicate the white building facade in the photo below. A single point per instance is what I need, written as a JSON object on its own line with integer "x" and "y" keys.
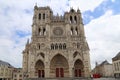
{"x": 6, "y": 71}
{"x": 116, "y": 65}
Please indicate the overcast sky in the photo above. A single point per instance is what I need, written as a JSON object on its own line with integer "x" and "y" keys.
{"x": 101, "y": 21}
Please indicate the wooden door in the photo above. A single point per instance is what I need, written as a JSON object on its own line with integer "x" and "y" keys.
{"x": 41, "y": 73}
{"x": 61, "y": 72}
{"x": 57, "y": 72}
{"x": 77, "y": 73}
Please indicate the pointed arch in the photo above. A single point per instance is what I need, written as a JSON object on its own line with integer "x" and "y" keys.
{"x": 77, "y": 55}
{"x": 41, "y": 54}
{"x": 71, "y": 30}
{"x": 59, "y": 66}
{"x": 56, "y": 46}
{"x": 78, "y": 68}
{"x": 60, "y": 46}
{"x": 39, "y": 68}
{"x": 44, "y": 31}
{"x": 39, "y": 31}
{"x": 71, "y": 19}
{"x": 75, "y": 19}
{"x": 39, "y": 16}
{"x": 52, "y": 46}
{"x": 76, "y": 30}
{"x": 64, "y": 46}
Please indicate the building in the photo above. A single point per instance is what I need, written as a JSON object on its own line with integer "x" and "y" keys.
{"x": 105, "y": 69}
{"x": 17, "y": 74}
{"x": 58, "y": 46}
{"x": 5, "y": 71}
{"x": 116, "y": 65}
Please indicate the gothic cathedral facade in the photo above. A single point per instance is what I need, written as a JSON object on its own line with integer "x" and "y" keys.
{"x": 58, "y": 46}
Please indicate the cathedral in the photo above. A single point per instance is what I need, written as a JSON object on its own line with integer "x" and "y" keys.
{"x": 58, "y": 46}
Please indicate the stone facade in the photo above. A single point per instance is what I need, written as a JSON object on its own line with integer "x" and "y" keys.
{"x": 6, "y": 71}
{"x": 17, "y": 74}
{"x": 58, "y": 46}
{"x": 116, "y": 65}
{"x": 104, "y": 69}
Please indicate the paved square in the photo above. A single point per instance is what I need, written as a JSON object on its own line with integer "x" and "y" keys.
{"x": 107, "y": 79}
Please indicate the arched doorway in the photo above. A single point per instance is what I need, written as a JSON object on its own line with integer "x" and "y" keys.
{"x": 78, "y": 68}
{"x": 59, "y": 66}
{"x": 39, "y": 67}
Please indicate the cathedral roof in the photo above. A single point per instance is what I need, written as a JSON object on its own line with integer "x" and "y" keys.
{"x": 105, "y": 63}
{"x": 5, "y": 63}
{"x": 117, "y": 57}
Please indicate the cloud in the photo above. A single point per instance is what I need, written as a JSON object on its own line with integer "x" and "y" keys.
{"x": 101, "y": 9}
{"x": 103, "y": 35}
{"x": 85, "y": 5}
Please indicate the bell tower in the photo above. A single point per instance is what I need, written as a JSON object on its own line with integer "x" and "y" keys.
{"x": 41, "y": 18}
{"x": 74, "y": 19}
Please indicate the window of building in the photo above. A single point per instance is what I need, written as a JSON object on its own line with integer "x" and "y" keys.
{"x": 44, "y": 31}
{"x": 76, "y": 31}
{"x": 56, "y": 46}
{"x": 39, "y": 31}
{"x": 15, "y": 75}
{"x": 64, "y": 46}
{"x": 60, "y": 46}
{"x": 71, "y": 19}
{"x": 39, "y": 16}
{"x": 20, "y": 75}
{"x": 117, "y": 66}
{"x": 38, "y": 45}
{"x": 44, "y": 16}
{"x": 52, "y": 46}
{"x": 71, "y": 30}
{"x": 75, "y": 19}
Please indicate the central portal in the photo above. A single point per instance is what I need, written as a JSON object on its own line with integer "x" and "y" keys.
{"x": 59, "y": 66}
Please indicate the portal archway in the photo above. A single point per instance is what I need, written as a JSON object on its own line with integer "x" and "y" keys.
{"x": 59, "y": 66}
{"x": 78, "y": 68}
{"x": 39, "y": 69}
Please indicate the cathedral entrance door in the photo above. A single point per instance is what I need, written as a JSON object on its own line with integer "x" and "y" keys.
{"x": 39, "y": 67}
{"x": 78, "y": 68}
{"x": 77, "y": 73}
{"x": 40, "y": 73}
{"x": 59, "y": 66}
{"x": 59, "y": 72}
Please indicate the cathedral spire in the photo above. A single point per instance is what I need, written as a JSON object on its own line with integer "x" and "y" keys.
{"x": 78, "y": 10}
{"x": 27, "y": 42}
{"x": 35, "y": 7}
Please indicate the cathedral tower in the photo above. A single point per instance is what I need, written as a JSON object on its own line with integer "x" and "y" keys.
{"x": 58, "y": 47}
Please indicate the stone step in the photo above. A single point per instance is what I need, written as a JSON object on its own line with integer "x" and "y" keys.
{"x": 59, "y": 79}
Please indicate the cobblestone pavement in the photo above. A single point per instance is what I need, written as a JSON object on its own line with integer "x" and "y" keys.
{"x": 107, "y": 79}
